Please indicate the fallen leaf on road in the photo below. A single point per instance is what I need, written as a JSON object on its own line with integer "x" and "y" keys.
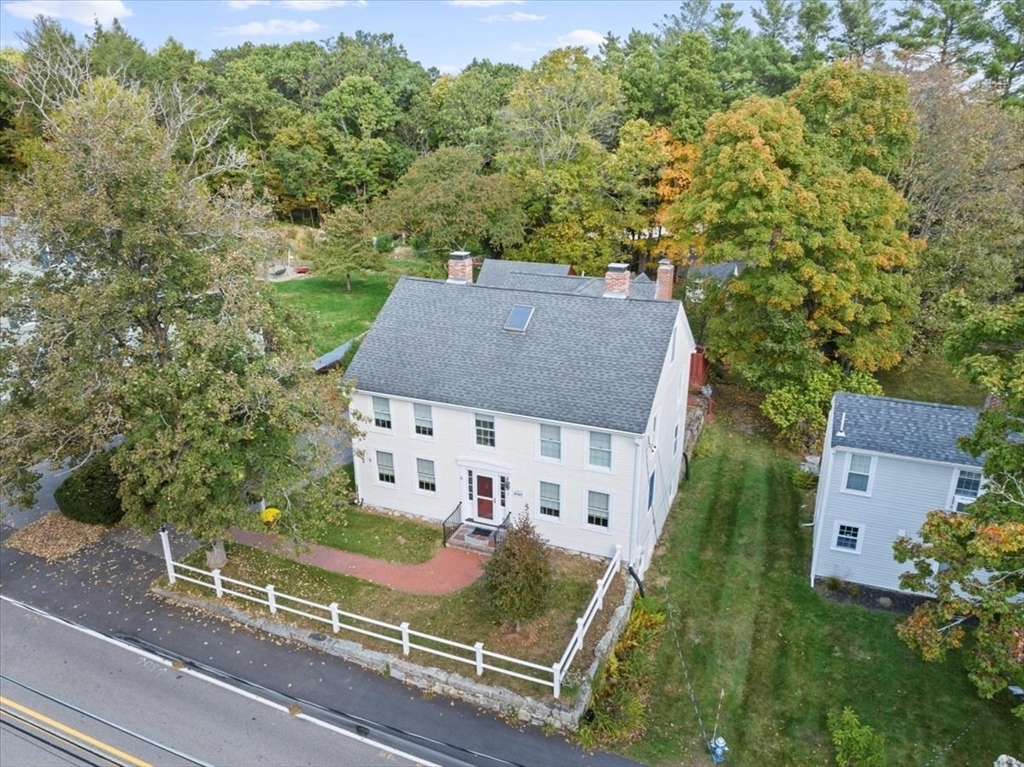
{"x": 54, "y": 537}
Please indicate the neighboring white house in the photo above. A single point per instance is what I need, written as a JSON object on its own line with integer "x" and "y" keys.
{"x": 886, "y": 463}
{"x": 543, "y": 391}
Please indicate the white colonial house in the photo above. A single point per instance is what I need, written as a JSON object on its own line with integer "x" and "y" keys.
{"x": 886, "y": 463}
{"x": 532, "y": 390}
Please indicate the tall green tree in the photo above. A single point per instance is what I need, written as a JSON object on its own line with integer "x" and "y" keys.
{"x": 344, "y": 245}
{"x": 862, "y": 28}
{"x": 1004, "y": 63}
{"x": 813, "y": 24}
{"x": 154, "y": 329}
{"x": 973, "y": 562}
{"x": 771, "y": 62}
{"x": 464, "y": 109}
{"x": 448, "y": 202}
{"x": 949, "y": 30}
{"x": 114, "y": 51}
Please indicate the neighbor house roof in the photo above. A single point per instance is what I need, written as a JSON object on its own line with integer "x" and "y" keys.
{"x": 924, "y": 430}
{"x": 554, "y": 278}
{"x": 720, "y": 272}
{"x": 582, "y": 359}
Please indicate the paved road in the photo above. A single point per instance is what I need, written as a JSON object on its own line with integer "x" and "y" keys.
{"x": 65, "y": 681}
{"x": 105, "y": 588}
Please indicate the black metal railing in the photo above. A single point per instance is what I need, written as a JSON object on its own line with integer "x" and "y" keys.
{"x": 451, "y": 524}
{"x": 502, "y": 532}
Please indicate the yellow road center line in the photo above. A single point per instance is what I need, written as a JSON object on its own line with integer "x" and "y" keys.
{"x": 74, "y": 733}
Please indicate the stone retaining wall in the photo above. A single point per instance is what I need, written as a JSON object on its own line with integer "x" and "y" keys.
{"x": 561, "y": 714}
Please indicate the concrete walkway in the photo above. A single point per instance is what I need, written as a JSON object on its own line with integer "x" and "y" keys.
{"x": 450, "y": 570}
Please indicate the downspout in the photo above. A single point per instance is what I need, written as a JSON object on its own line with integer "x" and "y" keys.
{"x": 638, "y": 448}
{"x": 829, "y": 451}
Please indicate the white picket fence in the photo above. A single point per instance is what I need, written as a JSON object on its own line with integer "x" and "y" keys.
{"x": 401, "y": 634}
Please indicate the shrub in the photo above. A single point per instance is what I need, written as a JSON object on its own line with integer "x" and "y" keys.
{"x": 385, "y": 243}
{"x": 518, "y": 578}
{"x": 619, "y": 705}
{"x": 833, "y": 583}
{"x": 805, "y": 480}
{"x": 799, "y": 409}
{"x": 90, "y": 494}
{"x": 857, "y": 745}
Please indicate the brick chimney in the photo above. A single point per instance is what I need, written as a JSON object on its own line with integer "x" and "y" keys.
{"x": 460, "y": 267}
{"x": 666, "y": 278}
{"x": 616, "y": 281}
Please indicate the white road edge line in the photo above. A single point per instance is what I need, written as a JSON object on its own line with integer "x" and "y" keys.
{"x": 224, "y": 685}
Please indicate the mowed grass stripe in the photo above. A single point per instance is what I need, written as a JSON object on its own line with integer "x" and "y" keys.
{"x": 734, "y": 564}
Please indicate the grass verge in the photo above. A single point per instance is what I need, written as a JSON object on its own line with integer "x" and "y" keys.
{"x": 733, "y": 573}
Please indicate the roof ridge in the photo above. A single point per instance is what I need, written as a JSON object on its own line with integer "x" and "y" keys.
{"x": 918, "y": 402}
{"x": 477, "y": 285}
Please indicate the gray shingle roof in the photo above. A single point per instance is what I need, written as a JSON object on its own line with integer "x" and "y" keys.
{"x": 497, "y": 272}
{"x": 583, "y": 360}
{"x": 926, "y": 430}
{"x": 526, "y": 275}
{"x": 720, "y": 272}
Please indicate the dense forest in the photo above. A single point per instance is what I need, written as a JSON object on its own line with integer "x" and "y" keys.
{"x": 867, "y": 159}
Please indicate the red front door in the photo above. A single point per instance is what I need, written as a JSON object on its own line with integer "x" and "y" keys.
{"x": 484, "y": 496}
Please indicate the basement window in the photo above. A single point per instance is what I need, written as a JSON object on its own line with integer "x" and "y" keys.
{"x": 519, "y": 318}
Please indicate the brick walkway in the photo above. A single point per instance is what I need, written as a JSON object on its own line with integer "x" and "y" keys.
{"x": 450, "y": 570}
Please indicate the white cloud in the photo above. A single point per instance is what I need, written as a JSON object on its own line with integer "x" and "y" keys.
{"x": 483, "y": 3}
{"x": 317, "y": 5}
{"x": 588, "y": 38}
{"x": 84, "y": 12}
{"x": 273, "y": 27}
{"x": 517, "y": 16}
{"x": 242, "y": 5}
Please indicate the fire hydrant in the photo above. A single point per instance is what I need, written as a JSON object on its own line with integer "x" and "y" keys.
{"x": 718, "y": 749}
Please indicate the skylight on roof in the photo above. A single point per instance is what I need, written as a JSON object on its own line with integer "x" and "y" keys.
{"x": 519, "y": 318}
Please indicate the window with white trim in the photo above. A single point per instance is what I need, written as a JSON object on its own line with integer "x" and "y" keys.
{"x": 550, "y": 500}
{"x": 382, "y": 412}
{"x": 425, "y": 475}
{"x": 485, "y": 430}
{"x": 550, "y": 441}
{"x": 847, "y": 538}
{"x": 386, "y": 467}
{"x": 600, "y": 449}
{"x": 598, "y": 508}
{"x": 858, "y": 473}
{"x": 423, "y": 417}
{"x": 968, "y": 487}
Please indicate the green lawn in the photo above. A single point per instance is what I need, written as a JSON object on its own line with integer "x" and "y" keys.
{"x": 734, "y": 571}
{"x": 394, "y": 539}
{"x": 929, "y": 378}
{"x": 338, "y": 314}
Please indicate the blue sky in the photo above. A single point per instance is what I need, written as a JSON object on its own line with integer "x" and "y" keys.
{"x": 446, "y": 34}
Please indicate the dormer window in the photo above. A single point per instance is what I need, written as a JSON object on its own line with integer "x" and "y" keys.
{"x": 519, "y": 318}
